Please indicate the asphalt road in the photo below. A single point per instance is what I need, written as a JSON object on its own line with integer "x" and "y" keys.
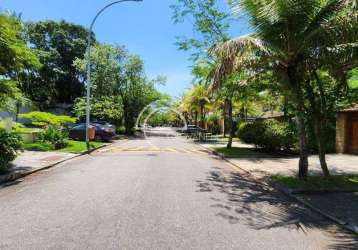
{"x": 161, "y": 192}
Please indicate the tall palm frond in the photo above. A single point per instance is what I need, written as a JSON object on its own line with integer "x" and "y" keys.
{"x": 233, "y": 54}
{"x": 286, "y": 30}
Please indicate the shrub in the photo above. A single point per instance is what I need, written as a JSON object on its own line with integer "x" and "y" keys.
{"x": 10, "y": 144}
{"x": 269, "y": 135}
{"x": 43, "y": 119}
{"x": 329, "y": 129}
{"x": 120, "y": 130}
{"x": 54, "y": 136}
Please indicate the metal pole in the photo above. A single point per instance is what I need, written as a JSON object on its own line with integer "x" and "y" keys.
{"x": 89, "y": 40}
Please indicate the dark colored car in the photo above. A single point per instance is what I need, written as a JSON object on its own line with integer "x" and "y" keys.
{"x": 194, "y": 129}
{"x": 104, "y": 131}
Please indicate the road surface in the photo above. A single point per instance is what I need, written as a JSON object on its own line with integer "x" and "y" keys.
{"x": 162, "y": 192}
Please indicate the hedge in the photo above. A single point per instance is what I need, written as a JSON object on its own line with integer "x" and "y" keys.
{"x": 10, "y": 144}
{"x": 269, "y": 135}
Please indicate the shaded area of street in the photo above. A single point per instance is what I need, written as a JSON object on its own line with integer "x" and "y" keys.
{"x": 156, "y": 200}
{"x": 341, "y": 205}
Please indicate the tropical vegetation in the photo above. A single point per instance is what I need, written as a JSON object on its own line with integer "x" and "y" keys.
{"x": 43, "y": 69}
{"x": 10, "y": 144}
{"x": 300, "y": 59}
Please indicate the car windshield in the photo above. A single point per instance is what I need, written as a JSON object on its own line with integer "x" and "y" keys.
{"x": 82, "y": 126}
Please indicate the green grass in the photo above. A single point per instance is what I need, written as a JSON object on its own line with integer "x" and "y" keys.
{"x": 236, "y": 152}
{"x": 318, "y": 182}
{"x": 79, "y": 146}
{"x": 72, "y": 146}
{"x": 38, "y": 146}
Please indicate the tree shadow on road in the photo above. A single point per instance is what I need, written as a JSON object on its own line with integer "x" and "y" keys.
{"x": 247, "y": 202}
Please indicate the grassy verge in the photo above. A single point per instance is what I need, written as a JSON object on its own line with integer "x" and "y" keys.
{"x": 318, "y": 182}
{"x": 72, "y": 146}
{"x": 236, "y": 152}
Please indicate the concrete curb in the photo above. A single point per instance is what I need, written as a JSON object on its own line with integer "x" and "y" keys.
{"x": 15, "y": 176}
{"x": 287, "y": 192}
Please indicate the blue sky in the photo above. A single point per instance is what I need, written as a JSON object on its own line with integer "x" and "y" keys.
{"x": 145, "y": 28}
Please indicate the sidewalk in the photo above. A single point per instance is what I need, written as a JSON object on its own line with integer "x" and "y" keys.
{"x": 268, "y": 165}
{"x": 31, "y": 161}
{"x": 343, "y": 206}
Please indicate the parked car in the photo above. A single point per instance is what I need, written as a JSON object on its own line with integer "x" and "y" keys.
{"x": 103, "y": 131}
{"x": 194, "y": 129}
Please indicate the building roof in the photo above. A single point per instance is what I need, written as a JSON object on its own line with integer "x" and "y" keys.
{"x": 353, "y": 108}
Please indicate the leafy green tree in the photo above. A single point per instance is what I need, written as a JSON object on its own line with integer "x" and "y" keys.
{"x": 199, "y": 100}
{"x": 210, "y": 22}
{"x": 107, "y": 64}
{"x": 234, "y": 89}
{"x": 120, "y": 89}
{"x": 289, "y": 37}
{"x": 15, "y": 57}
{"x": 57, "y": 44}
{"x": 107, "y": 108}
{"x": 136, "y": 91}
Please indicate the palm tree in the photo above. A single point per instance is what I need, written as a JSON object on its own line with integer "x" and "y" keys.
{"x": 199, "y": 99}
{"x": 287, "y": 36}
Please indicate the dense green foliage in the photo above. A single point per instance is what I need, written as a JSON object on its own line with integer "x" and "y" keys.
{"x": 42, "y": 119}
{"x": 353, "y": 79}
{"x": 106, "y": 69}
{"x": 57, "y": 44}
{"x": 210, "y": 25}
{"x": 270, "y": 135}
{"x": 120, "y": 88}
{"x": 10, "y": 144}
{"x": 301, "y": 52}
{"x": 56, "y": 137}
{"x": 15, "y": 58}
{"x": 102, "y": 109}
{"x": 213, "y": 123}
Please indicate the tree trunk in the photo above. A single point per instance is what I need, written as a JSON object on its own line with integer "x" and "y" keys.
{"x": 17, "y": 112}
{"x": 321, "y": 148}
{"x": 303, "y": 162}
{"x": 202, "y": 116}
{"x": 224, "y": 117}
{"x": 231, "y": 124}
{"x": 297, "y": 94}
{"x": 319, "y": 128}
{"x": 127, "y": 119}
{"x": 196, "y": 118}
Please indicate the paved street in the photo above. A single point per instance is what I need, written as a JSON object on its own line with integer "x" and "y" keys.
{"x": 159, "y": 192}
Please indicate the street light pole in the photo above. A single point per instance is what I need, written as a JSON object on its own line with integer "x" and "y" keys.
{"x": 89, "y": 40}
